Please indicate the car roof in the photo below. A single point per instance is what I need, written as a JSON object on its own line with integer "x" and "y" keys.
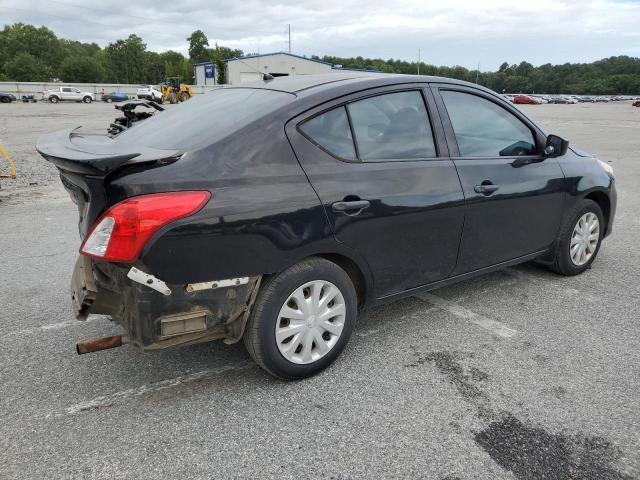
{"x": 306, "y": 83}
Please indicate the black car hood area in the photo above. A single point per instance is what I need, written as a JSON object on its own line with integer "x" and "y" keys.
{"x": 93, "y": 154}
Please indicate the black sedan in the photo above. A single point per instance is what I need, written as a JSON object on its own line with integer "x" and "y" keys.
{"x": 276, "y": 211}
{"x": 7, "y": 97}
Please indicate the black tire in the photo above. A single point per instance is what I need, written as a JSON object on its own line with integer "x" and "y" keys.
{"x": 87, "y": 99}
{"x": 54, "y": 99}
{"x": 563, "y": 264}
{"x": 5, "y": 100}
{"x": 109, "y": 100}
{"x": 259, "y": 336}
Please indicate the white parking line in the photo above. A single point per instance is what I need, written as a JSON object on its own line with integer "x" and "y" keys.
{"x": 55, "y": 326}
{"x": 124, "y": 395}
{"x": 493, "y": 326}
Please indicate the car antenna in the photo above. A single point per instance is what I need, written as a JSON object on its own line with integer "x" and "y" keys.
{"x": 266, "y": 77}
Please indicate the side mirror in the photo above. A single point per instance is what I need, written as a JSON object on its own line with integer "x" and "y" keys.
{"x": 556, "y": 146}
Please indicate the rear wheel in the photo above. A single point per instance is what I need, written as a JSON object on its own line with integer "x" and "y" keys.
{"x": 54, "y": 99}
{"x": 184, "y": 96}
{"x": 87, "y": 99}
{"x": 580, "y": 239}
{"x": 302, "y": 319}
{"x": 5, "y": 100}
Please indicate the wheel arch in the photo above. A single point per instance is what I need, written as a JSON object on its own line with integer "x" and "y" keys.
{"x": 354, "y": 271}
{"x": 604, "y": 202}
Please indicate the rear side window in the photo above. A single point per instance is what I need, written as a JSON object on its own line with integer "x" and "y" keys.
{"x": 393, "y": 126}
{"x": 204, "y": 119}
{"x": 484, "y": 129}
{"x": 331, "y": 131}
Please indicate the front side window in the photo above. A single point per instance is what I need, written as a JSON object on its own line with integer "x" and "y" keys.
{"x": 484, "y": 129}
{"x": 393, "y": 126}
{"x": 331, "y": 131}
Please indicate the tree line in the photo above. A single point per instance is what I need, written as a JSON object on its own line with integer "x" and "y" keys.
{"x": 29, "y": 53}
{"x": 32, "y": 54}
{"x": 610, "y": 76}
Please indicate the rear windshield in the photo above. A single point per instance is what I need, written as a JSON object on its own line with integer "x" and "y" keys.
{"x": 204, "y": 119}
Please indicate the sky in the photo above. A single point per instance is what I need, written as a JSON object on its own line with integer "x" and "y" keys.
{"x": 457, "y": 32}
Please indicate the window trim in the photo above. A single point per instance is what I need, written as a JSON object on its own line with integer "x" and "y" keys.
{"x": 450, "y": 135}
{"x": 308, "y": 137}
{"x": 432, "y": 116}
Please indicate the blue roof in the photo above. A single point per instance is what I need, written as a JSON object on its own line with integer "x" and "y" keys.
{"x": 276, "y": 53}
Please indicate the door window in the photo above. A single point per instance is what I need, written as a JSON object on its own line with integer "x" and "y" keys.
{"x": 393, "y": 126}
{"x": 484, "y": 129}
{"x": 331, "y": 131}
{"x": 66, "y": 90}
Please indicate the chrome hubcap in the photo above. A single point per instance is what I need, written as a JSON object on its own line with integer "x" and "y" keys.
{"x": 584, "y": 239}
{"x": 310, "y": 322}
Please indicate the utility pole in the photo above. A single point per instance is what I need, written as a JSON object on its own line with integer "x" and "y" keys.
{"x": 289, "y": 30}
{"x": 477, "y": 73}
{"x": 419, "y": 52}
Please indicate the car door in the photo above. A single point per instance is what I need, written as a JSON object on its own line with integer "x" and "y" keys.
{"x": 379, "y": 164}
{"x": 514, "y": 195}
{"x": 65, "y": 93}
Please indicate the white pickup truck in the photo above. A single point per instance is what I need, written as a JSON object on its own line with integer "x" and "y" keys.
{"x": 69, "y": 94}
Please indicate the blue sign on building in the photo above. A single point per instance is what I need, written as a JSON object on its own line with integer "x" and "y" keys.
{"x": 209, "y": 71}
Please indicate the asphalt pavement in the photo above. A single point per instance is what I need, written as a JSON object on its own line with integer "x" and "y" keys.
{"x": 517, "y": 374}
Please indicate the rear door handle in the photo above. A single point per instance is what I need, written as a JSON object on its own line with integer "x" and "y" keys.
{"x": 350, "y": 206}
{"x": 485, "y": 188}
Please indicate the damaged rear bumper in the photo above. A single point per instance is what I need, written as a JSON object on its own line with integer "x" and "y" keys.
{"x": 157, "y": 315}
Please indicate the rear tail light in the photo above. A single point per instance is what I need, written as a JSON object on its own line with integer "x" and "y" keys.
{"x": 121, "y": 233}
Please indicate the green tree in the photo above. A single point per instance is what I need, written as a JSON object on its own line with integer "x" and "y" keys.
{"x": 81, "y": 69}
{"x": 127, "y": 59}
{"x": 24, "y": 67}
{"x": 41, "y": 43}
{"x": 198, "y": 43}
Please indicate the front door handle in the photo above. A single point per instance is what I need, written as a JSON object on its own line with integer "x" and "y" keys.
{"x": 486, "y": 188}
{"x": 350, "y": 206}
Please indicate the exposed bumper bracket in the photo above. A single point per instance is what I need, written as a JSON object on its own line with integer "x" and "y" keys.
{"x": 212, "y": 285}
{"x": 148, "y": 280}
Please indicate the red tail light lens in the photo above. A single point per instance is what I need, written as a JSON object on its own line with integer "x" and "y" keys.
{"x": 121, "y": 233}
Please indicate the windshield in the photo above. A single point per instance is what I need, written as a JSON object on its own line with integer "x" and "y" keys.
{"x": 204, "y": 119}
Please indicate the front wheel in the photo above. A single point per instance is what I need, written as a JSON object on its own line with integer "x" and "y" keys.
{"x": 54, "y": 99}
{"x": 302, "y": 319}
{"x": 87, "y": 99}
{"x": 580, "y": 239}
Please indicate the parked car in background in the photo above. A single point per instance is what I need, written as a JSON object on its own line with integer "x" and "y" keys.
{"x": 558, "y": 99}
{"x": 149, "y": 92}
{"x": 525, "y": 99}
{"x": 586, "y": 99}
{"x": 7, "y": 97}
{"x": 67, "y": 94}
{"x": 279, "y": 209}
{"x": 114, "y": 97}
{"x": 636, "y": 103}
{"x": 602, "y": 99}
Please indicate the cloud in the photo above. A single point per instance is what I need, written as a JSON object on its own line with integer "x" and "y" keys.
{"x": 462, "y": 32}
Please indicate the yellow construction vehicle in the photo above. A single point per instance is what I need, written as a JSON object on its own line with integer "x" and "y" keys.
{"x": 173, "y": 91}
{"x": 12, "y": 167}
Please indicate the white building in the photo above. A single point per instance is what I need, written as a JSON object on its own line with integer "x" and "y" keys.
{"x": 280, "y": 64}
{"x": 204, "y": 73}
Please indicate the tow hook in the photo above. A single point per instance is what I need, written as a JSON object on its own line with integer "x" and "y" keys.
{"x": 97, "y": 344}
